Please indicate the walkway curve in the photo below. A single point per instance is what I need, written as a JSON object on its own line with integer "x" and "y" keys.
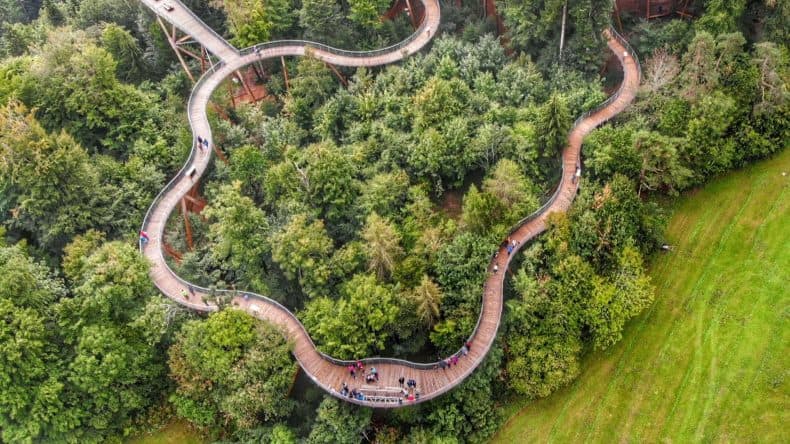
{"x": 327, "y": 372}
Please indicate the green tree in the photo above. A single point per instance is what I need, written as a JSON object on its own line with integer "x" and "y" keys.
{"x": 553, "y": 124}
{"x": 467, "y": 413}
{"x": 111, "y": 286}
{"x": 327, "y": 176}
{"x": 661, "y": 167}
{"x": 707, "y": 148}
{"x": 95, "y": 12}
{"x": 439, "y": 101}
{"x": 73, "y": 84}
{"x": 116, "y": 367}
{"x": 385, "y": 194}
{"x": 382, "y": 246}
{"x": 47, "y": 181}
{"x": 339, "y": 422}
{"x": 650, "y": 158}
{"x": 240, "y": 233}
{"x": 114, "y": 375}
{"x": 427, "y": 297}
{"x": 29, "y": 354}
{"x": 26, "y": 357}
{"x": 320, "y": 19}
{"x": 26, "y": 283}
{"x": 363, "y": 319}
{"x": 311, "y": 85}
{"x": 248, "y": 166}
{"x": 773, "y": 67}
{"x": 543, "y": 340}
{"x": 613, "y": 303}
{"x": 233, "y": 368}
{"x": 126, "y": 52}
{"x": 481, "y": 211}
{"x": 514, "y": 191}
{"x": 253, "y": 22}
{"x": 303, "y": 251}
{"x": 721, "y": 16}
{"x": 566, "y": 31}
{"x": 367, "y": 12}
{"x": 700, "y": 74}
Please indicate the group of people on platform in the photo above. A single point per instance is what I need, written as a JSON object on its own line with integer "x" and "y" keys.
{"x": 444, "y": 364}
{"x": 408, "y": 388}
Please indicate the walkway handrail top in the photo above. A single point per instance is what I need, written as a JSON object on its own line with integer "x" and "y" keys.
{"x": 206, "y": 27}
{"x": 619, "y": 91}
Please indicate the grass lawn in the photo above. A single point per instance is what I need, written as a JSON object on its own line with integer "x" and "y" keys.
{"x": 176, "y": 432}
{"x": 708, "y": 362}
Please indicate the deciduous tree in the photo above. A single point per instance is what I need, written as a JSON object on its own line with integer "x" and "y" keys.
{"x": 361, "y": 321}
{"x": 302, "y": 249}
{"x": 382, "y": 246}
{"x": 231, "y": 367}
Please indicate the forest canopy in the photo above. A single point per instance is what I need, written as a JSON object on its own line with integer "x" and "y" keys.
{"x": 368, "y": 201}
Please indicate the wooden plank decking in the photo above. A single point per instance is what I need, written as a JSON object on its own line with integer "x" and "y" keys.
{"x": 324, "y": 371}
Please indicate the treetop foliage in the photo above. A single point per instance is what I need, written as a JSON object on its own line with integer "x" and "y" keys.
{"x": 371, "y": 209}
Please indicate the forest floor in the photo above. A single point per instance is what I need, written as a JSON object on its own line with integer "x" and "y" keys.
{"x": 176, "y": 432}
{"x": 708, "y": 362}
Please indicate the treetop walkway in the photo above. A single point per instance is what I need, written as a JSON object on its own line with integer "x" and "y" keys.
{"x": 329, "y": 373}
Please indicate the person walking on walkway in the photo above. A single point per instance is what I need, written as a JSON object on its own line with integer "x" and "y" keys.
{"x": 400, "y": 380}
{"x": 184, "y": 294}
{"x": 351, "y": 371}
{"x": 144, "y": 237}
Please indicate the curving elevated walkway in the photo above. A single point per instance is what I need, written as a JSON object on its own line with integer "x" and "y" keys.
{"x": 325, "y": 371}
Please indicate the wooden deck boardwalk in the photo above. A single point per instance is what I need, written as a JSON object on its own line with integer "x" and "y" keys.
{"x": 327, "y": 372}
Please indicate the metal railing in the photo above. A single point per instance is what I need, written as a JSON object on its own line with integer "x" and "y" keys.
{"x": 619, "y": 91}
{"x": 578, "y": 121}
{"x": 155, "y": 8}
{"x": 208, "y": 75}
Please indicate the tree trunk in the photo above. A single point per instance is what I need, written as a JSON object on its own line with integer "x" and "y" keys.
{"x": 562, "y": 31}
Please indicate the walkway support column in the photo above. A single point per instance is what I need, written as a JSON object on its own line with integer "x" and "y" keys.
{"x": 285, "y": 74}
{"x": 562, "y": 31}
{"x": 172, "y": 41}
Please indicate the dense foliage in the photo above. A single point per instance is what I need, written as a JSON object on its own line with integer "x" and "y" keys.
{"x": 370, "y": 206}
{"x": 230, "y": 369}
{"x": 344, "y": 181}
{"x": 351, "y": 24}
{"x": 81, "y": 358}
